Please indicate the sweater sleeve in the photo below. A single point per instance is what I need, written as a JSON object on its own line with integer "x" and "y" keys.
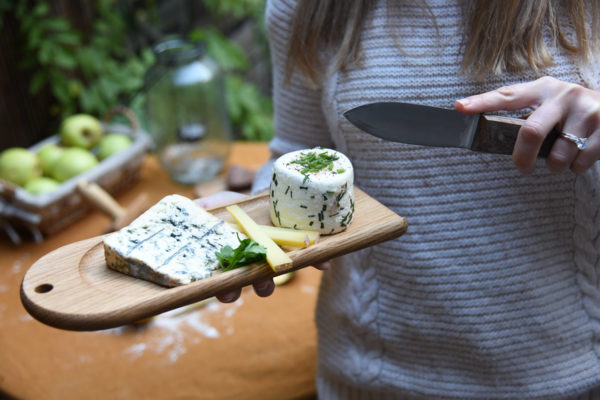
{"x": 298, "y": 116}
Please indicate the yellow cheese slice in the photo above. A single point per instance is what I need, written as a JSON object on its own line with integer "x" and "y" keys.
{"x": 288, "y": 236}
{"x": 283, "y": 278}
{"x": 276, "y": 258}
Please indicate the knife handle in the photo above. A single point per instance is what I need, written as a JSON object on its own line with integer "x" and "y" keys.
{"x": 498, "y": 134}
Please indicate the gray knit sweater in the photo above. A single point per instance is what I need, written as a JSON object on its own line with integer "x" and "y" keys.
{"x": 494, "y": 290}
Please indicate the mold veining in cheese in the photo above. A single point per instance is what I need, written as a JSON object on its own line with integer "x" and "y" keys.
{"x": 312, "y": 189}
{"x": 172, "y": 243}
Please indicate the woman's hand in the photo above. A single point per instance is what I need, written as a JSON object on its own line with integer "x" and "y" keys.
{"x": 570, "y": 107}
{"x": 263, "y": 288}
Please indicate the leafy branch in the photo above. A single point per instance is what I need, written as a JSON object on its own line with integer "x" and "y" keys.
{"x": 90, "y": 69}
{"x": 84, "y": 71}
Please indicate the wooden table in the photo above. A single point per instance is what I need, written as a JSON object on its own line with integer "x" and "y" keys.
{"x": 255, "y": 348}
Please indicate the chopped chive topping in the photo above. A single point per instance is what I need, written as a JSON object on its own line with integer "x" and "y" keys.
{"x": 341, "y": 171}
{"x": 331, "y": 191}
{"x": 287, "y": 190}
{"x": 346, "y": 219}
{"x": 313, "y": 162}
{"x": 276, "y": 211}
{"x": 311, "y": 223}
{"x": 303, "y": 206}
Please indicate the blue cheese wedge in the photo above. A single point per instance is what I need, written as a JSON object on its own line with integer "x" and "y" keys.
{"x": 172, "y": 243}
{"x": 312, "y": 189}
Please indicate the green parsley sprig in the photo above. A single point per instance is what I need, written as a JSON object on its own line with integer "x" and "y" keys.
{"x": 247, "y": 252}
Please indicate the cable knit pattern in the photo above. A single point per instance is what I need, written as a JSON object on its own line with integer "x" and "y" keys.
{"x": 493, "y": 293}
{"x": 360, "y": 298}
{"x": 586, "y": 244}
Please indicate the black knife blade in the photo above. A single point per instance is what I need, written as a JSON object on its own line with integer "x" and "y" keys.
{"x": 439, "y": 127}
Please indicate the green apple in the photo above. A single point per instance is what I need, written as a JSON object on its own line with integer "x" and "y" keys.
{"x": 49, "y": 155}
{"x": 41, "y": 185}
{"x": 19, "y": 165}
{"x": 112, "y": 143}
{"x": 81, "y": 130}
{"x": 73, "y": 161}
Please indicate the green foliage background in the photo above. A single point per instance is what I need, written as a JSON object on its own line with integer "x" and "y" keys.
{"x": 93, "y": 68}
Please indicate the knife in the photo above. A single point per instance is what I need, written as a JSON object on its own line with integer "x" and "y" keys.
{"x": 439, "y": 127}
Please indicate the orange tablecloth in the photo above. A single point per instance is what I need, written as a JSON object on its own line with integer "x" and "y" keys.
{"x": 255, "y": 348}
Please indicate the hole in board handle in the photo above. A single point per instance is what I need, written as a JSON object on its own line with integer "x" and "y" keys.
{"x": 44, "y": 288}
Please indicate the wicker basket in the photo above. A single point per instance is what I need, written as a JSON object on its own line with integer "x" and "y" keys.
{"x": 48, "y": 213}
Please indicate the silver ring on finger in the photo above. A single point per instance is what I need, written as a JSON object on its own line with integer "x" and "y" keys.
{"x": 581, "y": 143}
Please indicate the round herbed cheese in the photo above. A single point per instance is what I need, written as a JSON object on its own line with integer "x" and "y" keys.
{"x": 312, "y": 189}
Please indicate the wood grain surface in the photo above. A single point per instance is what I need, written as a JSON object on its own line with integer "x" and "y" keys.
{"x": 72, "y": 288}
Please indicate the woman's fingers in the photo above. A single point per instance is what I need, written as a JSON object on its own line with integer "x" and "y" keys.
{"x": 509, "y": 98}
{"x": 585, "y": 159}
{"x": 264, "y": 288}
{"x": 555, "y": 104}
{"x": 527, "y": 95}
{"x": 582, "y": 121}
{"x": 230, "y": 296}
{"x": 532, "y": 135}
{"x": 324, "y": 266}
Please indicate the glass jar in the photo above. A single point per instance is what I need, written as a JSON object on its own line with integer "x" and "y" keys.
{"x": 186, "y": 112}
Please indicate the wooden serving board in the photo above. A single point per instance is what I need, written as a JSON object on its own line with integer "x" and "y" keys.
{"x": 72, "y": 288}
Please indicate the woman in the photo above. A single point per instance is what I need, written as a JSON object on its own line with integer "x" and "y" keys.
{"x": 493, "y": 292}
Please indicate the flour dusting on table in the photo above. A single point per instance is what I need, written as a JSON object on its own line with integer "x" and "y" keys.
{"x": 18, "y": 263}
{"x": 167, "y": 333}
